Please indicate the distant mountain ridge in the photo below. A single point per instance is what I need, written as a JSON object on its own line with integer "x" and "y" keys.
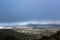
{"x": 37, "y": 25}
{"x": 30, "y": 26}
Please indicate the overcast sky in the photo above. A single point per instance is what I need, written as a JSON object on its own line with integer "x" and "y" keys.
{"x": 24, "y": 10}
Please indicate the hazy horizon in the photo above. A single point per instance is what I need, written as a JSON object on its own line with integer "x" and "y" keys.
{"x": 29, "y": 22}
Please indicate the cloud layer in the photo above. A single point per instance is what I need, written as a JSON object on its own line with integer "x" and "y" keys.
{"x": 29, "y": 22}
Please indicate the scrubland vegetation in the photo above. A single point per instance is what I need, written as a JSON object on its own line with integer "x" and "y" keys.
{"x": 11, "y": 34}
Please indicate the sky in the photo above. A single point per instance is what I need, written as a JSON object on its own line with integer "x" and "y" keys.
{"x": 12, "y": 11}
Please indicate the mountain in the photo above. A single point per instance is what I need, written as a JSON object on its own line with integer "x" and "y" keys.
{"x": 41, "y": 25}
{"x": 31, "y": 26}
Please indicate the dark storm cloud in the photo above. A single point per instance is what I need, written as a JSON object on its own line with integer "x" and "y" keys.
{"x": 21, "y": 10}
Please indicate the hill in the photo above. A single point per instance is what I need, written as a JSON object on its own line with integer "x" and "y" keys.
{"x": 10, "y": 34}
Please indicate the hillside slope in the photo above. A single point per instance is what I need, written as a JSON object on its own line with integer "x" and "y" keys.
{"x": 9, "y": 34}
